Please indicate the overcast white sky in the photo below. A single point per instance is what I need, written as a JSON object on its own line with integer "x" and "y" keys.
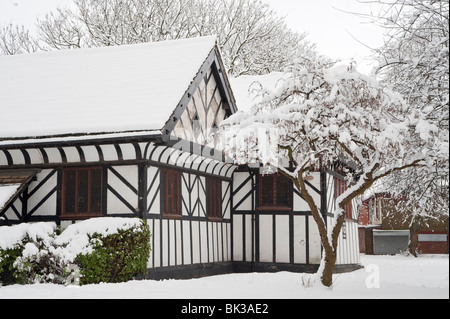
{"x": 331, "y": 29}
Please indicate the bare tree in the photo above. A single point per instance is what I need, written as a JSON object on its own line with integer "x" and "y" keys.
{"x": 16, "y": 40}
{"x": 61, "y": 30}
{"x": 253, "y": 38}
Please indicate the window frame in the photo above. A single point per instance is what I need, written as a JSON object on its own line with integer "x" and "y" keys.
{"x": 64, "y": 197}
{"x": 175, "y": 198}
{"x": 274, "y": 205}
{"x": 214, "y": 198}
{"x": 340, "y": 186}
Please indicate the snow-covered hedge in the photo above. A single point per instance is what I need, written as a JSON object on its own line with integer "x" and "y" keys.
{"x": 92, "y": 251}
{"x": 19, "y": 242}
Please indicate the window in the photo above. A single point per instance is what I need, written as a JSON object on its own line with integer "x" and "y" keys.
{"x": 340, "y": 188}
{"x": 214, "y": 198}
{"x": 370, "y": 210}
{"x": 378, "y": 208}
{"x": 82, "y": 192}
{"x": 171, "y": 195}
{"x": 274, "y": 192}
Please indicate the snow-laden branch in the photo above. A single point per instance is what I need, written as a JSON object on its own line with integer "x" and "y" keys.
{"x": 324, "y": 117}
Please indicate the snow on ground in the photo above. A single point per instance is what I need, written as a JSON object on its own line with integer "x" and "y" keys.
{"x": 386, "y": 277}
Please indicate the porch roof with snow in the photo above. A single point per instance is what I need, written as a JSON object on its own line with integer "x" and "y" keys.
{"x": 110, "y": 90}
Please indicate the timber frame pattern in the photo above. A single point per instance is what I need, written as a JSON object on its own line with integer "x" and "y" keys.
{"x": 132, "y": 166}
{"x": 286, "y": 239}
{"x": 244, "y": 238}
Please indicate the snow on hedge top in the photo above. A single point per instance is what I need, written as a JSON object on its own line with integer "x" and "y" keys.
{"x": 75, "y": 238}
{"x": 72, "y": 241}
{"x": 11, "y": 236}
{"x": 96, "y": 90}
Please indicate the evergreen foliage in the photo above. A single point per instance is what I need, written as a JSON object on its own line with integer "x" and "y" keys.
{"x": 111, "y": 257}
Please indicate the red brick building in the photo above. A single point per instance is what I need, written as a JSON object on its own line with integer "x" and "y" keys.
{"x": 379, "y": 212}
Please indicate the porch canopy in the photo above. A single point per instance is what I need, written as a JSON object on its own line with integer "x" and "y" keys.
{"x": 12, "y": 183}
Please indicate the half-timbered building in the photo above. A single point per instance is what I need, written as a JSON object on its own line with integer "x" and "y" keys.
{"x": 126, "y": 131}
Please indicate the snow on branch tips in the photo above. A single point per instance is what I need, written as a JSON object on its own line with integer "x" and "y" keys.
{"x": 327, "y": 116}
{"x": 322, "y": 115}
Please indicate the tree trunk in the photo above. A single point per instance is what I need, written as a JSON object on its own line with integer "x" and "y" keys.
{"x": 413, "y": 236}
{"x": 329, "y": 262}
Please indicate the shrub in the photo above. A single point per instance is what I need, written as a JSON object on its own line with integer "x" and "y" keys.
{"x": 7, "y": 259}
{"x": 116, "y": 257}
{"x": 18, "y": 240}
{"x": 92, "y": 251}
{"x": 39, "y": 264}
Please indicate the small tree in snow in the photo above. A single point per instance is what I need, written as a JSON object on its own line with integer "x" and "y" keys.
{"x": 321, "y": 117}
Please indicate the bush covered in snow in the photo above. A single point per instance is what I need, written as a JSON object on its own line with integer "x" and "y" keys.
{"x": 40, "y": 262}
{"x": 92, "y": 251}
{"x": 115, "y": 257}
{"x": 17, "y": 243}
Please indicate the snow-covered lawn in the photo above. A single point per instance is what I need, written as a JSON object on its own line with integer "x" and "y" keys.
{"x": 397, "y": 277}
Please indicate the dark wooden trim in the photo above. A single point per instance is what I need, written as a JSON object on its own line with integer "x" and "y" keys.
{"x": 175, "y": 198}
{"x": 214, "y": 200}
{"x": 227, "y": 267}
{"x": 213, "y": 62}
{"x": 118, "y": 163}
{"x": 244, "y": 238}
{"x": 41, "y": 183}
{"x": 62, "y": 154}
{"x": 228, "y": 204}
{"x": 72, "y": 215}
{"x": 119, "y": 152}
{"x": 44, "y": 155}
{"x": 26, "y": 157}
{"x": 274, "y": 238}
{"x": 42, "y": 201}
{"x": 249, "y": 193}
{"x": 158, "y": 190}
{"x": 274, "y": 206}
{"x": 123, "y": 200}
{"x": 24, "y": 200}
{"x": 340, "y": 187}
{"x": 157, "y": 216}
{"x": 81, "y": 154}
{"x": 267, "y": 267}
{"x": 323, "y": 196}
{"x": 291, "y": 239}
{"x": 8, "y": 156}
{"x": 272, "y": 212}
{"x": 23, "y": 188}
{"x": 101, "y": 157}
{"x": 84, "y": 140}
{"x": 142, "y": 191}
{"x": 223, "y": 82}
{"x": 124, "y": 180}
{"x": 188, "y": 271}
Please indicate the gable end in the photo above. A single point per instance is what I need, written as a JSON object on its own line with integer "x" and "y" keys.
{"x": 191, "y": 120}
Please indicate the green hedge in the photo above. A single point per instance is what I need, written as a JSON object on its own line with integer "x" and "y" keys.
{"x": 7, "y": 259}
{"x": 116, "y": 258}
{"x": 112, "y": 256}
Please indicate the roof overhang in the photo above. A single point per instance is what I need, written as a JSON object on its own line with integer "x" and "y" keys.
{"x": 12, "y": 184}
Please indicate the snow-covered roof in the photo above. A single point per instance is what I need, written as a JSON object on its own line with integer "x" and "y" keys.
{"x": 6, "y": 192}
{"x": 98, "y": 90}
